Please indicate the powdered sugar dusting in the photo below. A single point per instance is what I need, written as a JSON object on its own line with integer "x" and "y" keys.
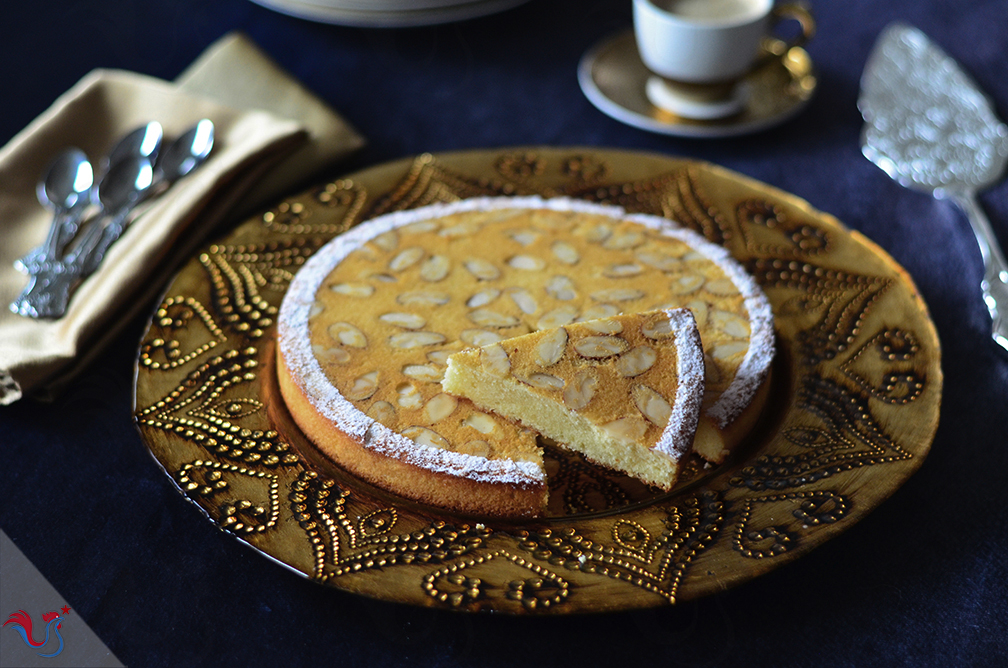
{"x": 677, "y": 439}
{"x": 756, "y": 365}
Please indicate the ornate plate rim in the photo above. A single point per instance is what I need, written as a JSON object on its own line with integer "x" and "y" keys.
{"x": 320, "y": 528}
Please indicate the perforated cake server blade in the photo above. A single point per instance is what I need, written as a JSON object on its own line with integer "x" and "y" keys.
{"x": 929, "y": 127}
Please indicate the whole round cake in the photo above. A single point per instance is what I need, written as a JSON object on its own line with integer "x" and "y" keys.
{"x": 368, "y": 323}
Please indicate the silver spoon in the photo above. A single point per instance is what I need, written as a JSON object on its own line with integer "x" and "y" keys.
{"x": 128, "y": 182}
{"x": 48, "y": 291}
{"x": 144, "y": 142}
{"x": 187, "y": 152}
{"x": 65, "y": 191}
{"x": 182, "y": 156}
{"x": 125, "y": 186}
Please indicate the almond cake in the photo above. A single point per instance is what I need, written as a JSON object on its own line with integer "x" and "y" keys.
{"x": 368, "y": 323}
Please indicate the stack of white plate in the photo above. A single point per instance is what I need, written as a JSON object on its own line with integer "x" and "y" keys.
{"x": 388, "y": 13}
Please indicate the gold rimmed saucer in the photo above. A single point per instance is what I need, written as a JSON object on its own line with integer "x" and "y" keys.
{"x": 614, "y": 79}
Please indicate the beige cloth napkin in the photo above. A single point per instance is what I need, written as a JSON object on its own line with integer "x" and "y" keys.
{"x": 270, "y": 134}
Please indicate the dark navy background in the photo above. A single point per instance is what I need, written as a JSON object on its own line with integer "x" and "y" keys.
{"x": 922, "y": 581}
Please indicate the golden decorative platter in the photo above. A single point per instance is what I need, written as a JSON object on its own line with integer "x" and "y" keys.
{"x": 854, "y": 405}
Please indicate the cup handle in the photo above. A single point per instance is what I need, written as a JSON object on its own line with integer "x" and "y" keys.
{"x": 793, "y": 11}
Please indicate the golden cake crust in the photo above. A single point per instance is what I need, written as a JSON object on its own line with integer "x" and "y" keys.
{"x": 367, "y": 323}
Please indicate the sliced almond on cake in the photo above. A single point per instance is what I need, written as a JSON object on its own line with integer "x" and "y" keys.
{"x": 624, "y": 391}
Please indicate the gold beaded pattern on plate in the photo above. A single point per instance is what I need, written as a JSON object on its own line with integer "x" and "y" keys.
{"x": 852, "y": 412}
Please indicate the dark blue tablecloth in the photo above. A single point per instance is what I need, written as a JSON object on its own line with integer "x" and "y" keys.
{"x": 922, "y": 581}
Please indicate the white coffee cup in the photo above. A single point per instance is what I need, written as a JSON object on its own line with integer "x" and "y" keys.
{"x": 710, "y": 41}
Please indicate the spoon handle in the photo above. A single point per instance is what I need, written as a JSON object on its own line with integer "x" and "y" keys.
{"x": 995, "y": 281}
{"x": 92, "y": 257}
{"x": 61, "y": 231}
{"x": 51, "y": 283}
{"x": 44, "y": 252}
{"x": 47, "y": 293}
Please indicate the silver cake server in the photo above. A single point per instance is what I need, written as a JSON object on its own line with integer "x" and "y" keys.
{"x": 929, "y": 127}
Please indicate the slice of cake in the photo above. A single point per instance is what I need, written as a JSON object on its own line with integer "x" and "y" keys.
{"x": 624, "y": 391}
